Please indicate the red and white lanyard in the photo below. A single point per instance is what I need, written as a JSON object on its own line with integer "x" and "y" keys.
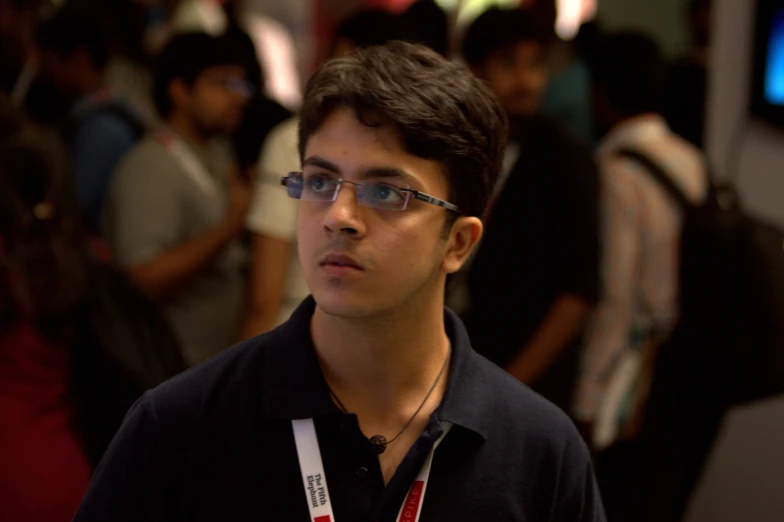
{"x": 315, "y": 480}
{"x": 192, "y": 166}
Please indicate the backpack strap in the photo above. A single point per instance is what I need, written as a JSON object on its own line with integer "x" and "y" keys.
{"x": 661, "y": 177}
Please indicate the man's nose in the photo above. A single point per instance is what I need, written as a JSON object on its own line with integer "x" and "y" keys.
{"x": 345, "y": 214}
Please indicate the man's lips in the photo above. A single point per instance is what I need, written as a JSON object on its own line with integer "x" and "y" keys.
{"x": 340, "y": 261}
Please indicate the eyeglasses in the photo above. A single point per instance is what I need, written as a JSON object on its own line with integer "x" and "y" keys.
{"x": 232, "y": 84}
{"x": 375, "y": 194}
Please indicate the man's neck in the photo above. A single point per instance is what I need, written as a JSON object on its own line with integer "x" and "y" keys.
{"x": 92, "y": 82}
{"x": 379, "y": 366}
{"x": 185, "y": 129}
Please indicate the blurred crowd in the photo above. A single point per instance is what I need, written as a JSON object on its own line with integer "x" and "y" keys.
{"x": 141, "y": 150}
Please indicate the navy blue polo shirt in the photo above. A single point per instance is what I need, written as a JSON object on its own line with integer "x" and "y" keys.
{"x": 216, "y": 444}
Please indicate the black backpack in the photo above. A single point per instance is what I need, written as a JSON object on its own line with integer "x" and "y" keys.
{"x": 731, "y": 323}
{"x": 112, "y": 107}
{"x": 124, "y": 347}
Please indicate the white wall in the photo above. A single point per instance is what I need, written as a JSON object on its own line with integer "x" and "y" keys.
{"x": 745, "y": 478}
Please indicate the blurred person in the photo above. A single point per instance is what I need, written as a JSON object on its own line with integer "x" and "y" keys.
{"x": 534, "y": 279}
{"x": 568, "y": 97}
{"x": 686, "y": 87}
{"x": 429, "y": 25}
{"x": 129, "y": 70}
{"x": 273, "y": 42}
{"x": 261, "y": 113}
{"x": 63, "y": 391}
{"x": 640, "y": 234}
{"x": 177, "y": 203}
{"x": 277, "y": 284}
{"x": 20, "y": 77}
{"x": 100, "y": 127}
{"x": 400, "y": 149}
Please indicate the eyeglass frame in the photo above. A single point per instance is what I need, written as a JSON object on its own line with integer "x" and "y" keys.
{"x": 233, "y": 84}
{"x": 418, "y": 195}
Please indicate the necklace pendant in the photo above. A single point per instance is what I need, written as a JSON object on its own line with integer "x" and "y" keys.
{"x": 379, "y": 442}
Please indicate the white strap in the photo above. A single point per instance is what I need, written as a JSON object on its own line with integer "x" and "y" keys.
{"x": 315, "y": 480}
{"x": 412, "y": 506}
{"x": 312, "y": 468}
{"x": 192, "y": 166}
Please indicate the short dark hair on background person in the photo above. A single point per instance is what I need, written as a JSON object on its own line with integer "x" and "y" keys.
{"x": 630, "y": 71}
{"x": 76, "y": 25}
{"x": 497, "y": 28}
{"x": 185, "y": 57}
{"x": 441, "y": 110}
{"x": 429, "y": 25}
{"x": 370, "y": 27}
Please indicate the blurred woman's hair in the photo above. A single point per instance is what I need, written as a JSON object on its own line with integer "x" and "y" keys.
{"x": 44, "y": 252}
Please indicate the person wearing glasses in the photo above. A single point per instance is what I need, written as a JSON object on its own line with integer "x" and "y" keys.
{"x": 177, "y": 204}
{"x": 276, "y": 284}
{"x": 369, "y": 403}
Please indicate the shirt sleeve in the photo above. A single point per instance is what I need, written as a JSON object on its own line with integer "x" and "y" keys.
{"x": 141, "y": 216}
{"x": 99, "y": 145}
{"x": 608, "y": 333}
{"x": 576, "y": 223}
{"x": 577, "y": 498}
{"x": 272, "y": 212}
{"x": 130, "y": 481}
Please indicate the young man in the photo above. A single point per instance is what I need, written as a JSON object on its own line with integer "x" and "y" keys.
{"x": 100, "y": 127}
{"x": 535, "y": 276}
{"x": 277, "y": 284}
{"x": 338, "y": 414}
{"x": 641, "y": 229}
{"x": 177, "y": 204}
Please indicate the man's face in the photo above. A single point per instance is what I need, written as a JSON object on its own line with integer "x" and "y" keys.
{"x": 398, "y": 255}
{"x": 518, "y": 75}
{"x": 65, "y": 70}
{"x": 217, "y": 98}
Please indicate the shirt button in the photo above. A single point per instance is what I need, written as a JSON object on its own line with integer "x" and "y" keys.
{"x": 362, "y": 473}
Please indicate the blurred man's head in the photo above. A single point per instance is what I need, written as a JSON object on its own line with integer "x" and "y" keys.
{"x": 74, "y": 49}
{"x": 201, "y": 79}
{"x": 429, "y": 25}
{"x": 17, "y": 27}
{"x": 382, "y": 133}
{"x": 508, "y": 49}
{"x": 628, "y": 75}
{"x": 367, "y": 28}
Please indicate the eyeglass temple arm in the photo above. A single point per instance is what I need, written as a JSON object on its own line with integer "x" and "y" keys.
{"x": 434, "y": 201}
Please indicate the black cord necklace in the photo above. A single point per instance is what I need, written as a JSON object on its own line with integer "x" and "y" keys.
{"x": 380, "y": 442}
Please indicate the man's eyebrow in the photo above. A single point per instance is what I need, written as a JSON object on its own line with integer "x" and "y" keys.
{"x": 318, "y": 161}
{"x": 370, "y": 173}
{"x": 390, "y": 172}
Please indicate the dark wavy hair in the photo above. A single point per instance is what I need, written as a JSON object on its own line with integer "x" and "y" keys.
{"x": 497, "y": 28}
{"x": 441, "y": 110}
{"x": 44, "y": 260}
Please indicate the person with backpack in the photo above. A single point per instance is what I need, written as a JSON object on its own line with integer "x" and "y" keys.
{"x": 641, "y": 228}
{"x": 176, "y": 208}
{"x": 100, "y": 127}
{"x": 68, "y": 373}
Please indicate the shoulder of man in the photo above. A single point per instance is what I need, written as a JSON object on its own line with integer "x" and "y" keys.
{"x": 515, "y": 408}
{"x": 220, "y": 381}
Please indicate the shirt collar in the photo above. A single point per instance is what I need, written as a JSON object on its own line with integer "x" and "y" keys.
{"x": 96, "y": 98}
{"x": 640, "y": 129}
{"x": 295, "y": 388}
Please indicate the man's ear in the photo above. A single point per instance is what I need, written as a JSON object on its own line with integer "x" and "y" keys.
{"x": 463, "y": 237}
